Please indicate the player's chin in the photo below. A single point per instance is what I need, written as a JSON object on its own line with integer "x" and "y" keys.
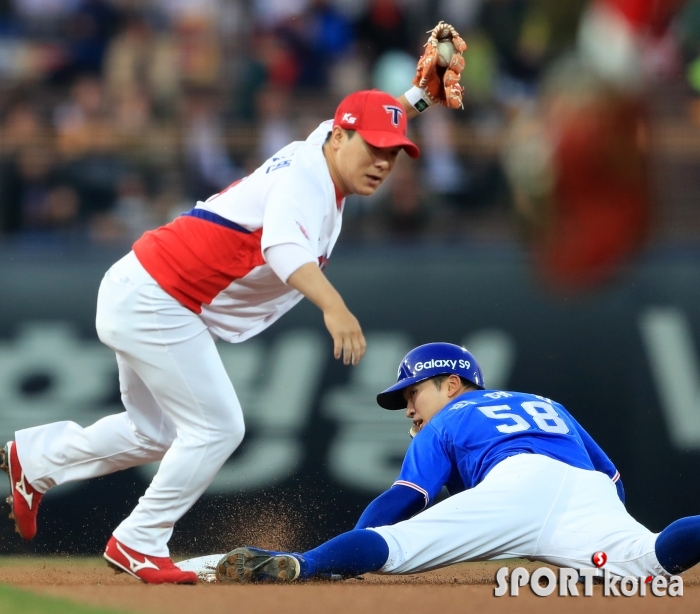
{"x": 369, "y": 185}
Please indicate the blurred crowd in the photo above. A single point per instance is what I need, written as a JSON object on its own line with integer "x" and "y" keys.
{"x": 118, "y": 115}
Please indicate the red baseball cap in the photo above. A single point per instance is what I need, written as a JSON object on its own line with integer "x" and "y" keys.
{"x": 379, "y": 119}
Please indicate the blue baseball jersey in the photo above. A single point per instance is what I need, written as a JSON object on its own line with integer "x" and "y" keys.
{"x": 480, "y": 428}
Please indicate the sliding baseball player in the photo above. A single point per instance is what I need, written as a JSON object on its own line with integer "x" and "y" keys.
{"x": 525, "y": 481}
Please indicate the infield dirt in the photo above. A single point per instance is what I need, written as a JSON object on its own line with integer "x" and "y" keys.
{"x": 457, "y": 589}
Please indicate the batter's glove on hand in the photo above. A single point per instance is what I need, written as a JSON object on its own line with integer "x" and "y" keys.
{"x": 434, "y": 83}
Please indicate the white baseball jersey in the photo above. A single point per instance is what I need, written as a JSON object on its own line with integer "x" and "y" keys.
{"x": 157, "y": 307}
{"x": 211, "y": 258}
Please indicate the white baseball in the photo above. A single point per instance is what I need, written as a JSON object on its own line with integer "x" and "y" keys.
{"x": 445, "y": 51}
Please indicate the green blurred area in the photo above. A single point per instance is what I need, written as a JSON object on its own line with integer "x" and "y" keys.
{"x": 25, "y": 602}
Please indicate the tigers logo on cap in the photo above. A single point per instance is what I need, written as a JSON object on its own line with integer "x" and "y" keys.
{"x": 395, "y": 112}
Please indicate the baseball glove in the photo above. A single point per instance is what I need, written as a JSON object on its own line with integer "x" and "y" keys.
{"x": 441, "y": 84}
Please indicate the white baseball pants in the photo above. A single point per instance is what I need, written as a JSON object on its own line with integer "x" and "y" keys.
{"x": 528, "y": 506}
{"x": 181, "y": 409}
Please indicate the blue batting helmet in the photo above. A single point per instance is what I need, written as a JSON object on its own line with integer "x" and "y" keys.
{"x": 427, "y": 361}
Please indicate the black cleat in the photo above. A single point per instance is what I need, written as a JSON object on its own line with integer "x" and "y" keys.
{"x": 245, "y": 565}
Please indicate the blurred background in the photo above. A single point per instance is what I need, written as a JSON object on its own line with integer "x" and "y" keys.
{"x": 117, "y": 115}
{"x": 552, "y": 226}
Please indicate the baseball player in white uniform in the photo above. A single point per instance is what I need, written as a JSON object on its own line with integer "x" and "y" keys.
{"x": 227, "y": 269}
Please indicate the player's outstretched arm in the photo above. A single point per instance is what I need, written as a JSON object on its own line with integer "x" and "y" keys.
{"x": 348, "y": 339}
{"x": 396, "y": 504}
{"x": 411, "y": 111}
{"x": 424, "y": 472}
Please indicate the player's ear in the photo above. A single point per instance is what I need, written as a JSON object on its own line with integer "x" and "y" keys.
{"x": 454, "y": 384}
{"x": 336, "y": 137}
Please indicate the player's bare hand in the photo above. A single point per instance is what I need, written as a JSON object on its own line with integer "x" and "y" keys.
{"x": 348, "y": 340}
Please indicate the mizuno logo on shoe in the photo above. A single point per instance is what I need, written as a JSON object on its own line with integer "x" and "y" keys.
{"x": 21, "y": 488}
{"x": 135, "y": 565}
